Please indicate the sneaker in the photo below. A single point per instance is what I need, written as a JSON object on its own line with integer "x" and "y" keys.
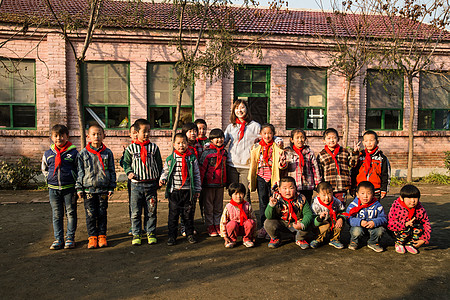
{"x": 248, "y": 244}
{"x": 183, "y": 233}
{"x": 56, "y": 245}
{"x": 93, "y": 242}
{"x": 411, "y": 249}
{"x": 171, "y": 241}
{"x": 302, "y": 244}
{"x": 353, "y": 245}
{"x": 212, "y": 230}
{"x": 130, "y": 232}
{"x": 217, "y": 229}
{"x": 336, "y": 244}
{"x": 191, "y": 239}
{"x": 399, "y": 248}
{"x": 314, "y": 244}
{"x": 230, "y": 245}
{"x": 70, "y": 244}
{"x": 151, "y": 238}
{"x": 136, "y": 241}
{"x": 102, "y": 241}
{"x": 375, "y": 247}
{"x": 274, "y": 243}
{"x": 262, "y": 233}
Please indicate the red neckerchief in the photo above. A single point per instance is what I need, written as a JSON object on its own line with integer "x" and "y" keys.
{"x": 184, "y": 166}
{"x": 241, "y": 129}
{"x": 219, "y": 154}
{"x": 100, "y": 150}
{"x": 330, "y": 209}
{"x": 59, "y": 151}
{"x": 194, "y": 150}
{"x": 291, "y": 209}
{"x": 143, "y": 150}
{"x": 360, "y": 206}
{"x": 368, "y": 160}
{"x": 300, "y": 155}
{"x": 201, "y": 139}
{"x": 333, "y": 155}
{"x": 242, "y": 215}
{"x": 265, "y": 150}
{"x": 411, "y": 211}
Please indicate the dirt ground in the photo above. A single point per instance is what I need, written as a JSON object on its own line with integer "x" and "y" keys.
{"x": 206, "y": 269}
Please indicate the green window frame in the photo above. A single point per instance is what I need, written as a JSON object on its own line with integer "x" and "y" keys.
{"x": 434, "y": 101}
{"x": 162, "y": 97}
{"x": 306, "y": 98}
{"x": 252, "y": 84}
{"x": 106, "y": 94}
{"x": 384, "y": 92}
{"x": 17, "y": 94}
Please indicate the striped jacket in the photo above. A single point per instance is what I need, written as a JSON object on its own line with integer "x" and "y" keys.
{"x": 132, "y": 162}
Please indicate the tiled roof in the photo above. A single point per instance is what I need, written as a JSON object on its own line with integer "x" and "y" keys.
{"x": 245, "y": 20}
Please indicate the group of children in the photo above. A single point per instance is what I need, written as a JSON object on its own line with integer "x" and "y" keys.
{"x": 285, "y": 180}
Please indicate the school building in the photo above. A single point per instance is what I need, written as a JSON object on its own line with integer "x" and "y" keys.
{"x": 129, "y": 74}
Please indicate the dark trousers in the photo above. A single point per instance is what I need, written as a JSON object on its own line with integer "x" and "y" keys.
{"x": 264, "y": 190}
{"x": 181, "y": 205}
{"x": 144, "y": 197}
{"x": 96, "y": 206}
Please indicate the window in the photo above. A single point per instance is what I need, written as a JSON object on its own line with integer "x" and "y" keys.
{"x": 434, "y": 101}
{"x": 162, "y": 97}
{"x": 106, "y": 94}
{"x": 384, "y": 100}
{"x": 17, "y": 94}
{"x": 252, "y": 84}
{"x": 306, "y": 98}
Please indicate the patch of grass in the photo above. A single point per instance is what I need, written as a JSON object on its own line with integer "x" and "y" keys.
{"x": 436, "y": 179}
{"x": 121, "y": 186}
{"x": 397, "y": 181}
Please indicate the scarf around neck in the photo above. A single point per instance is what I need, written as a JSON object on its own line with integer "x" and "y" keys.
{"x": 219, "y": 154}
{"x": 360, "y": 206}
{"x": 411, "y": 211}
{"x": 242, "y": 215}
{"x": 291, "y": 209}
{"x": 98, "y": 153}
{"x": 60, "y": 151}
{"x": 265, "y": 150}
{"x": 368, "y": 160}
{"x": 333, "y": 155}
{"x": 300, "y": 155}
{"x": 332, "y": 212}
{"x": 143, "y": 150}
{"x": 184, "y": 166}
{"x": 241, "y": 129}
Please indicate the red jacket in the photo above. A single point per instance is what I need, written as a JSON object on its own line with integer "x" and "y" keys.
{"x": 212, "y": 176}
{"x": 380, "y": 171}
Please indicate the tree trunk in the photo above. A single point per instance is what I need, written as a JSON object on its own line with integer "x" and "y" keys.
{"x": 347, "y": 116}
{"x": 410, "y": 130}
{"x": 80, "y": 104}
{"x": 177, "y": 113}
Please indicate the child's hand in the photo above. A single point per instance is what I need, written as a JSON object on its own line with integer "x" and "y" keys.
{"x": 370, "y": 224}
{"x": 410, "y": 222}
{"x": 110, "y": 193}
{"x": 363, "y": 223}
{"x": 418, "y": 243}
{"x": 283, "y": 159}
{"x": 383, "y": 194}
{"x": 162, "y": 182}
{"x": 339, "y": 223}
{"x": 297, "y": 226}
{"x": 272, "y": 201}
{"x": 356, "y": 146}
{"x": 131, "y": 175}
{"x": 80, "y": 195}
{"x": 323, "y": 215}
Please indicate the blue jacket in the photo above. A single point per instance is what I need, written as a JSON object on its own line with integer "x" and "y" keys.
{"x": 374, "y": 213}
{"x": 65, "y": 176}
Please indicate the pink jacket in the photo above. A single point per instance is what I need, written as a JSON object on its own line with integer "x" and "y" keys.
{"x": 398, "y": 216}
{"x": 232, "y": 213}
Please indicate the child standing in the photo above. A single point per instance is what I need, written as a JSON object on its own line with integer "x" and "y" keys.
{"x": 190, "y": 130}
{"x": 143, "y": 164}
{"x": 266, "y": 161}
{"x": 408, "y": 221}
{"x": 95, "y": 184}
{"x": 213, "y": 178}
{"x": 288, "y": 211}
{"x": 366, "y": 215}
{"x": 329, "y": 218}
{"x": 201, "y": 127}
{"x": 373, "y": 166}
{"x": 302, "y": 164}
{"x": 237, "y": 218}
{"x": 182, "y": 176}
{"x": 59, "y": 166}
{"x": 335, "y": 162}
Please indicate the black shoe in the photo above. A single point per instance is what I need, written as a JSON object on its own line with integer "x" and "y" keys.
{"x": 191, "y": 239}
{"x": 171, "y": 241}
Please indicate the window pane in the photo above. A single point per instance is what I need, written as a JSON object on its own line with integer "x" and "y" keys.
{"x": 24, "y": 116}
{"x": 94, "y": 115}
{"x": 117, "y": 83}
{"x": 118, "y": 117}
{"x": 161, "y": 79}
{"x": 434, "y": 90}
{"x": 391, "y": 119}
{"x": 315, "y": 119}
{"x": 185, "y": 116}
{"x": 243, "y": 75}
{"x": 24, "y": 83}
{"x": 295, "y": 118}
{"x": 5, "y": 117}
{"x": 259, "y": 75}
{"x": 159, "y": 117}
{"x": 441, "y": 119}
{"x": 243, "y": 88}
{"x": 373, "y": 119}
{"x": 259, "y": 87}
{"x": 425, "y": 119}
{"x": 384, "y": 90}
{"x": 307, "y": 87}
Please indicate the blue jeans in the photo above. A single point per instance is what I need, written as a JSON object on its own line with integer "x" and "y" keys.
{"x": 95, "y": 206}
{"x": 63, "y": 201}
{"x": 264, "y": 190}
{"x": 374, "y": 234}
{"x": 143, "y": 197}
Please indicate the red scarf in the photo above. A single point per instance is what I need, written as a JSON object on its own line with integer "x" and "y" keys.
{"x": 368, "y": 160}
{"x": 143, "y": 150}
{"x": 265, "y": 150}
{"x": 241, "y": 129}
{"x": 242, "y": 215}
{"x": 201, "y": 139}
{"x": 102, "y": 148}
{"x": 291, "y": 209}
{"x": 59, "y": 151}
{"x": 330, "y": 209}
{"x": 333, "y": 155}
{"x": 411, "y": 211}
{"x": 219, "y": 154}
{"x": 360, "y": 206}
{"x": 300, "y": 155}
{"x": 184, "y": 166}
{"x": 194, "y": 150}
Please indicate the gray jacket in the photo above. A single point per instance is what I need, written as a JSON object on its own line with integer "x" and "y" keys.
{"x": 239, "y": 152}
